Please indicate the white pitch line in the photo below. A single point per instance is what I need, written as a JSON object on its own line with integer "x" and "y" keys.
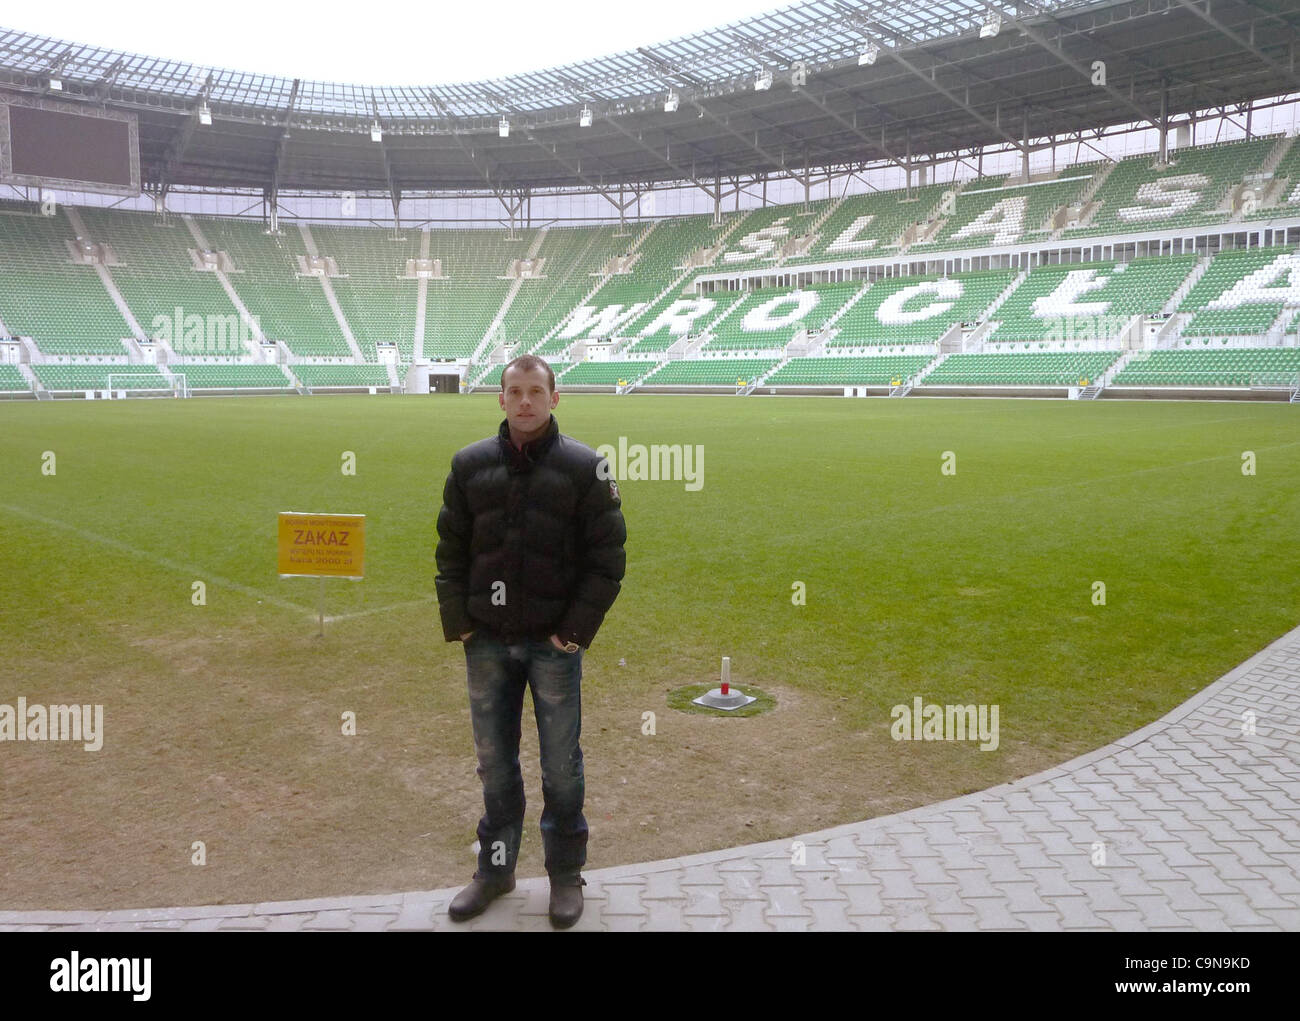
{"x": 200, "y": 574}
{"x": 163, "y": 562}
{"x": 381, "y": 609}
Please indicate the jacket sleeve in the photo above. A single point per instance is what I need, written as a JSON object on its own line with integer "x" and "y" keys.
{"x": 455, "y": 526}
{"x": 602, "y": 533}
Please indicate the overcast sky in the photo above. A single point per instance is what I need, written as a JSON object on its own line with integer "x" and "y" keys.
{"x": 378, "y": 44}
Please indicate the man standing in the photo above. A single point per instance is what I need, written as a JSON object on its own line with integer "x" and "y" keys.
{"x": 530, "y": 559}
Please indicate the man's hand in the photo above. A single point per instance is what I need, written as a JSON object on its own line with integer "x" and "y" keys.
{"x": 555, "y": 640}
{"x": 466, "y": 636}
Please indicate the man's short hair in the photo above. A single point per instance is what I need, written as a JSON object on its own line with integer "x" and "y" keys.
{"x": 527, "y": 363}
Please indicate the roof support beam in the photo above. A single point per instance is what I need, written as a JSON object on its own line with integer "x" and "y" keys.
{"x": 1245, "y": 44}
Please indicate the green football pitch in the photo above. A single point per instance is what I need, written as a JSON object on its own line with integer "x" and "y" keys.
{"x": 1083, "y": 566}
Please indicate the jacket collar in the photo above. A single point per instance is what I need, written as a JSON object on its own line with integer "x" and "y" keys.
{"x": 533, "y": 449}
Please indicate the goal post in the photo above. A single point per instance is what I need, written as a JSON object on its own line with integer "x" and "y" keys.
{"x": 134, "y": 384}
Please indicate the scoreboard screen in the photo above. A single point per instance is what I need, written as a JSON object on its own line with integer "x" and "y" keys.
{"x": 45, "y": 143}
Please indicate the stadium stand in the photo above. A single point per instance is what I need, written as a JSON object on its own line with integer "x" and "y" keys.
{"x": 206, "y": 376}
{"x": 377, "y": 298}
{"x": 918, "y": 309}
{"x": 95, "y": 377}
{"x": 1183, "y": 193}
{"x": 1242, "y": 293}
{"x": 868, "y": 225}
{"x": 11, "y": 379}
{"x": 168, "y": 296}
{"x": 44, "y": 295}
{"x": 1233, "y": 367}
{"x": 288, "y": 307}
{"x": 315, "y": 376}
{"x": 462, "y": 307}
{"x": 1088, "y": 301}
{"x": 710, "y": 372}
{"x": 850, "y": 371}
{"x": 1046, "y": 368}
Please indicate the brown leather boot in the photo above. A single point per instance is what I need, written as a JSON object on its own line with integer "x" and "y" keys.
{"x": 566, "y": 902}
{"x": 475, "y": 898}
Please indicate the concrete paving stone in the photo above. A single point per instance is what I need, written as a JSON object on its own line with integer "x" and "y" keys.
{"x": 1205, "y": 921}
{"x": 916, "y": 845}
{"x": 533, "y": 898}
{"x": 1250, "y": 851}
{"x": 1076, "y": 913}
{"x": 911, "y": 916}
{"x": 665, "y": 915}
{"x": 1245, "y": 821}
{"x": 62, "y": 917}
{"x": 1204, "y": 879}
{"x": 968, "y": 821}
{"x": 1105, "y": 821}
{"x": 1175, "y": 853}
{"x": 787, "y": 923}
{"x": 624, "y": 899}
{"x": 660, "y": 885}
{"x": 203, "y": 924}
{"x": 701, "y": 901}
{"x": 1260, "y": 894}
{"x": 973, "y": 883}
{"x": 1280, "y": 879}
{"x": 843, "y": 846}
{"x": 700, "y": 875}
{"x": 774, "y": 871}
{"x": 1156, "y": 911}
{"x": 747, "y": 916}
{"x": 940, "y": 832}
{"x": 944, "y": 898}
{"x": 707, "y": 923}
{"x": 958, "y": 923}
{"x": 821, "y": 887}
{"x": 857, "y": 877}
{"x": 1032, "y": 856}
{"x": 785, "y": 900}
{"x": 1022, "y": 895}
{"x": 864, "y": 900}
{"x": 957, "y": 856}
{"x": 338, "y": 920}
{"x": 899, "y": 884}
{"x": 259, "y": 922}
{"x": 373, "y": 921}
{"x": 1236, "y": 909}
{"x": 930, "y": 870}
{"x": 1001, "y": 869}
{"x": 831, "y": 916}
{"x": 738, "y": 864}
{"x": 287, "y": 922}
{"x": 1133, "y": 811}
{"x": 1288, "y": 920}
{"x": 1153, "y": 863}
{"x": 1062, "y": 811}
{"x": 624, "y": 923}
{"x": 1051, "y": 882}
{"x": 416, "y": 916}
{"x": 993, "y": 913}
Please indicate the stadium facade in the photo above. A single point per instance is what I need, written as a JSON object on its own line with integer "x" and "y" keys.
{"x": 1076, "y": 198}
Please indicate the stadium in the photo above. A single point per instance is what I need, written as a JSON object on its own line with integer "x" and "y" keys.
{"x": 986, "y": 315}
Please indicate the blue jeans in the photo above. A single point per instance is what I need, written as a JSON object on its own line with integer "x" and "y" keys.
{"x": 497, "y": 675}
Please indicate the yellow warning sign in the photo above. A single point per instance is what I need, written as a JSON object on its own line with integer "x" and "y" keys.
{"x": 322, "y": 545}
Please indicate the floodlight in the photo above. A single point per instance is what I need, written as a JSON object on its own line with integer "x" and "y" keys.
{"x": 376, "y": 132}
{"x": 992, "y": 25}
{"x": 503, "y": 129}
{"x": 763, "y": 82}
{"x": 671, "y": 102}
{"x": 584, "y": 119}
{"x": 205, "y": 115}
{"x": 869, "y": 54}
{"x": 56, "y": 85}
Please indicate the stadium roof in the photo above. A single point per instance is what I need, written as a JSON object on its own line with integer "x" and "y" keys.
{"x": 944, "y": 77}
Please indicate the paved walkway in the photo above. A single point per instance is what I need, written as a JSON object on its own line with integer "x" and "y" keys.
{"x": 1200, "y": 823}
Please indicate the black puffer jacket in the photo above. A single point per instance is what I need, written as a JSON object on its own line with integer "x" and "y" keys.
{"x": 530, "y": 542}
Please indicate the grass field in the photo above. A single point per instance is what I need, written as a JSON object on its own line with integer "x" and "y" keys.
{"x": 222, "y": 722}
